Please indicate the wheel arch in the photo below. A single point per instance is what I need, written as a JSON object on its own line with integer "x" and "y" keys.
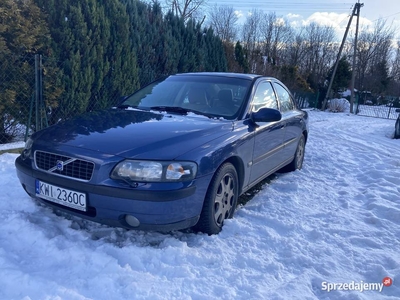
{"x": 305, "y": 133}
{"x": 237, "y": 162}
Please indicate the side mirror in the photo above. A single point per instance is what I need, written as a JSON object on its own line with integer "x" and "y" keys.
{"x": 266, "y": 115}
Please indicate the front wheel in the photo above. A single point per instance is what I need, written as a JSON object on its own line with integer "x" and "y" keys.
{"x": 220, "y": 201}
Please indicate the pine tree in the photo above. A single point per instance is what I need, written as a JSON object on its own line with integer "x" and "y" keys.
{"x": 241, "y": 57}
{"x": 23, "y": 33}
{"x": 342, "y": 76}
{"x": 147, "y": 34}
{"x": 90, "y": 40}
{"x": 121, "y": 77}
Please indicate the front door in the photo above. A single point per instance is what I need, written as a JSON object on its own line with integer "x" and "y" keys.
{"x": 268, "y": 136}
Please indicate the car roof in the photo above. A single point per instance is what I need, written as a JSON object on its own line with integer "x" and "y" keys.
{"x": 223, "y": 74}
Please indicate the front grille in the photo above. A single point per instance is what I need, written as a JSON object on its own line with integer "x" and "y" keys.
{"x": 64, "y": 165}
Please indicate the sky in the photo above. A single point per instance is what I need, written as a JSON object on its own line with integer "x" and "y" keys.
{"x": 325, "y": 12}
{"x": 323, "y": 232}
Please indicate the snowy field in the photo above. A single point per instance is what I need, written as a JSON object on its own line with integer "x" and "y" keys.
{"x": 15, "y": 145}
{"x": 333, "y": 225}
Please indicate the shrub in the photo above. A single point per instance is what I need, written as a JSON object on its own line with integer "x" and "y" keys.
{"x": 339, "y": 105}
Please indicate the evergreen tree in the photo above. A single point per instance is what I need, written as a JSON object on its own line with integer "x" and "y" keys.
{"x": 342, "y": 76}
{"x": 172, "y": 42}
{"x": 187, "y": 60}
{"x": 241, "y": 57}
{"x": 23, "y": 33}
{"x": 90, "y": 40}
{"x": 175, "y": 38}
{"x": 122, "y": 73}
{"x": 151, "y": 38}
{"x": 215, "y": 55}
{"x": 167, "y": 44}
{"x": 293, "y": 80}
{"x": 379, "y": 78}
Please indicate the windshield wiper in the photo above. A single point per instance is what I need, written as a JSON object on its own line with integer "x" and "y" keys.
{"x": 125, "y": 106}
{"x": 181, "y": 110}
{"x": 174, "y": 109}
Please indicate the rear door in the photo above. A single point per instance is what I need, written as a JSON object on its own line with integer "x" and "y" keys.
{"x": 268, "y": 138}
{"x": 292, "y": 118}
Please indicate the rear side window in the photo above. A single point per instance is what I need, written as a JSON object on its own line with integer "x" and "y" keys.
{"x": 284, "y": 98}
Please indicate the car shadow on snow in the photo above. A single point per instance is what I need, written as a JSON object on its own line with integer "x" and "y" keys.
{"x": 121, "y": 237}
{"x": 248, "y": 195}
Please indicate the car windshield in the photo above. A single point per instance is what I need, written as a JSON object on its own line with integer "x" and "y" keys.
{"x": 209, "y": 95}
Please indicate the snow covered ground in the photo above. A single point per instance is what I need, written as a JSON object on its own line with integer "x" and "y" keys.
{"x": 15, "y": 145}
{"x": 337, "y": 221}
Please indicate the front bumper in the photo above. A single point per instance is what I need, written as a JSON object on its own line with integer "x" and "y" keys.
{"x": 165, "y": 210}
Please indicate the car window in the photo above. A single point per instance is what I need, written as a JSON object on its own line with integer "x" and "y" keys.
{"x": 264, "y": 97}
{"x": 155, "y": 94}
{"x": 284, "y": 98}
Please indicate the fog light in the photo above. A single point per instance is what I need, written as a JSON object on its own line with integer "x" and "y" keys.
{"x": 132, "y": 221}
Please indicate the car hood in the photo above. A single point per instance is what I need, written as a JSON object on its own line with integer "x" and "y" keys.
{"x": 135, "y": 133}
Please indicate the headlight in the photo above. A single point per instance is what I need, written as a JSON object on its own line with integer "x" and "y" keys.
{"x": 27, "y": 150}
{"x": 154, "y": 171}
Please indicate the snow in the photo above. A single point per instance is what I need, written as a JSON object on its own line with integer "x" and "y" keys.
{"x": 347, "y": 93}
{"x": 337, "y": 221}
{"x": 10, "y": 146}
{"x": 339, "y": 105}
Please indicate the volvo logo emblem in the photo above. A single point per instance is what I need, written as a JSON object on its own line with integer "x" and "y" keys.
{"x": 60, "y": 165}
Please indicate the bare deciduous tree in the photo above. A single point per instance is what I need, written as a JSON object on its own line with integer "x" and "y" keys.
{"x": 296, "y": 50}
{"x": 320, "y": 51}
{"x": 223, "y": 20}
{"x": 187, "y": 9}
{"x": 277, "y": 35}
{"x": 373, "y": 53}
{"x": 252, "y": 38}
{"x": 394, "y": 87}
{"x": 395, "y": 72}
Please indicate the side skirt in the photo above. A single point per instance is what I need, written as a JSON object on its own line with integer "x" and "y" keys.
{"x": 288, "y": 161}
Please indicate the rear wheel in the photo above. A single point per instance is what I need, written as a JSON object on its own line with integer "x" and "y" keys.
{"x": 297, "y": 162}
{"x": 220, "y": 201}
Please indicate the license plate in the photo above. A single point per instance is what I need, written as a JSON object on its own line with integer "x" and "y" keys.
{"x": 60, "y": 195}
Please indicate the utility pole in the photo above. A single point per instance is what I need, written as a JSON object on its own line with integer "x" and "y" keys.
{"x": 355, "y": 9}
{"x": 353, "y": 75}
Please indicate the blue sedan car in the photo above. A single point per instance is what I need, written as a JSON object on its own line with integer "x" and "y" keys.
{"x": 175, "y": 154}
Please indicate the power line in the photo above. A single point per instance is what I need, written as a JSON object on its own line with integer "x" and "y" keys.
{"x": 300, "y": 6}
{"x": 387, "y": 17}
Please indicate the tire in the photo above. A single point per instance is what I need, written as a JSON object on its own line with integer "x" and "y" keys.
{"x": 397, "y": 129}
{"x": 297, "y": 162}
{"x": 220, "y": 201}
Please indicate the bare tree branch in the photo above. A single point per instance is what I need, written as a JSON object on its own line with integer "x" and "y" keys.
{"x": 223, "y": 20}
{"x": 187, "y": 9}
